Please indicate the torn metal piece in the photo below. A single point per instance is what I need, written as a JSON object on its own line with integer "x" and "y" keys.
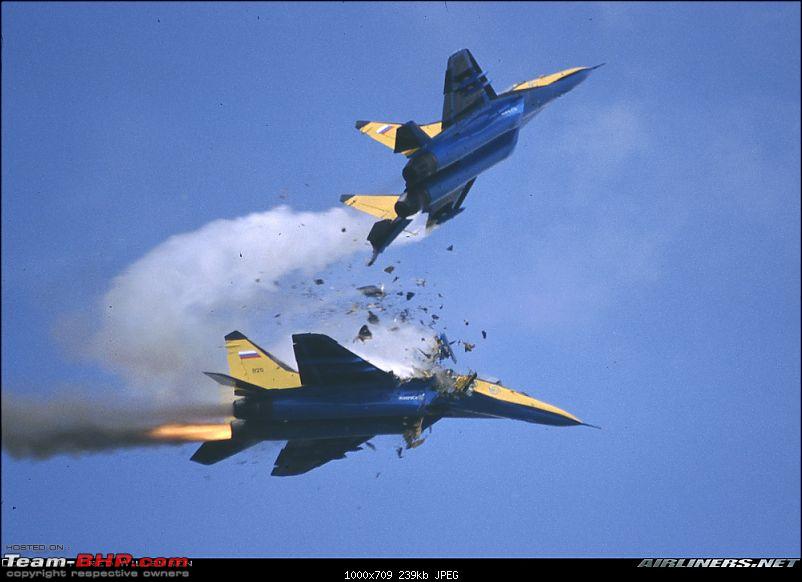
{"x": 372, "y": 291}
{"x": 468, "y": 346}
{"x": 465, "y": 383}
{"x": 410, "y": 295}
{"x": 373, "y": 318}
{"x": 364, "y": 334}
{"x": 389, "y": 269}
{"x": 412, "y": 436}
{"x": 484, "y": 334}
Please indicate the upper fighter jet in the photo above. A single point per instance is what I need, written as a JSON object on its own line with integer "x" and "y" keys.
{"x": 479, "y": 128}
{"x": 336, "y": 402}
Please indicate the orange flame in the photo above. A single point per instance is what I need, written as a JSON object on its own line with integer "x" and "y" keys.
{"x": 191, "y": 432}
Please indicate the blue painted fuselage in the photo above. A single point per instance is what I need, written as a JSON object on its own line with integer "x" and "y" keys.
{"x": 312, "y": 412}
{"x": 438, "y": 171}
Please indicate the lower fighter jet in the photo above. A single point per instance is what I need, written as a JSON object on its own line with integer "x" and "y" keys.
{"x": 478, "y": 129}
{"x": 336, "y": 402}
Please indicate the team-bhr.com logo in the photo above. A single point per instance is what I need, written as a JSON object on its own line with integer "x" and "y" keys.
{"x": 84, "y": 560}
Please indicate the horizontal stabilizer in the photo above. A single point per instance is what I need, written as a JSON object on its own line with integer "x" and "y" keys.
{"x": 241, "y": 387}
{"x": 381, "y": 205}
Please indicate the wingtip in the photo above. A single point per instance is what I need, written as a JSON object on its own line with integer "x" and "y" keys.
{"x": 360, "y": 123}
{"x": 346, "y": 197}
{"x": 235, "y": 335}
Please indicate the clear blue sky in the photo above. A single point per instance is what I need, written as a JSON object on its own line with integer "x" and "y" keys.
{"x": 637, "y": 262}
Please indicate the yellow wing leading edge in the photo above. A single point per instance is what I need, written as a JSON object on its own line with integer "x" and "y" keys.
{"x": 499, "y": 392}
{"x": 545, "y": 80}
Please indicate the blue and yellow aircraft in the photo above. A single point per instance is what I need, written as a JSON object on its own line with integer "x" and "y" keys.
{"x": 479, "y": 128}
{"x": 336, "y": 402}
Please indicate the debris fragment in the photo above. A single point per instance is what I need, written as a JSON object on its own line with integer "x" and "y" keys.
{"x": 400, "y": 452}
{"x": 276, "y": 315}
{"x": 450, "y": 248}
{"x": 466, "y": 322}
{"x": 372, "y": 291}
{"x": 364, "y": 334}
{"x": 410, "y": 295}
{"x": 484, "y": 334}
{"x": 373, "y": 318}
{"x": 389, "y": 269}
{"x": 468, "y": 346}
{"x": 395, "y": 279}
{"x": 319, "y": 281}
{"x": 342, "y": 229}
{"x": 420, "y": 282}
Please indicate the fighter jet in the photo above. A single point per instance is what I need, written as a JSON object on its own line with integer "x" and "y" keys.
{"x": 336, "y": 402}
{"x": 478, "y": 129}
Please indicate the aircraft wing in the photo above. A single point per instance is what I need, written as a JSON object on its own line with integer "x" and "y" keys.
{"x": 546, "y": 80}
{"x": 466, "y": 87}
{"x": 322, "y": 361}
{"x": 301, "y": 456}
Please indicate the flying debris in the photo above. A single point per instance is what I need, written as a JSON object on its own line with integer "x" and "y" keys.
{"x": 484, "y": 334}
{"x": 373, "y": 318}
{"x": 389, "y": 269}
{"x": 450, "y": 248}
{"x": 364, "y": 334}
{"x": 336, "y": 402}
{"x": 420, "y": 282}
{"x": 479, "y": 128}
{"x": 442, "y": 349}
{"x": 410, "y": 295}
{"x": 319, "y": 281}
{"x": 372, "y": 291}
{"x": 468, "y": 346}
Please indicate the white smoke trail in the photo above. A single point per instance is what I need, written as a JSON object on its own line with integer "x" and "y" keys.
{"x": 163, "y": 319}
{"x": 162, "y": 322}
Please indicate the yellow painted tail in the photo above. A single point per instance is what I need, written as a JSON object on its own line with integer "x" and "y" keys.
{"x": 249, "y": 362}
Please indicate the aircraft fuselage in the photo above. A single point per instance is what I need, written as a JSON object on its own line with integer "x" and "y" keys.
{"x": 312, "y": 412}
{"x": 436, "y": 173}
